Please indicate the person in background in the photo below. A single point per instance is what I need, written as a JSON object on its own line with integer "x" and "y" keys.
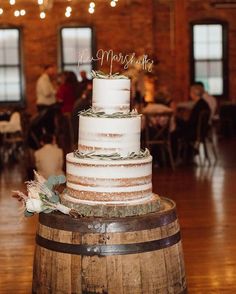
{"x": 163, "y": 96}
{"x": 49, "y": 158}
{"x": 211, "y": 100}
{"x": 46, "y": 97}
{"x": 83, "y": 82}
{"x": 186, "y": 129}
{"x": 68, "y": 91}
{"x": 45, "y": 91}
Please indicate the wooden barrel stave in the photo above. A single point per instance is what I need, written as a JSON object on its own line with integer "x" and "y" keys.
{"x": 110, "y": 256}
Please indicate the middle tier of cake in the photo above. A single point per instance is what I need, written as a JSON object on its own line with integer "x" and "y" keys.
{"x": 106, "y": 135}
{"x": 108, "y": 181}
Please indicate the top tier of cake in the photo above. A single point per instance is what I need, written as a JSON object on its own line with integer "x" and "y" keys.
{"x": 111, "y": 95}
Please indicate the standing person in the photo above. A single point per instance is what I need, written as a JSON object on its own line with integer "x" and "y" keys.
{"x": 84, "y": 81}
{"x": 44, "y": 88}
{"x": 49, "y": 158}
{"x": 68, "y": 91}
{"x": 46, "y": 97}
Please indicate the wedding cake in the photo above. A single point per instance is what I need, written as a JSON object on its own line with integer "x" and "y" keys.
{"x": 109, "y": 169}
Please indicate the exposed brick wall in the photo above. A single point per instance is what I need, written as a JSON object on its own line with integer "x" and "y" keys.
{"x": 157, "y": 27}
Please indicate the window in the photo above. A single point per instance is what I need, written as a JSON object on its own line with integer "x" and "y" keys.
{"x": 208, "y": 57}
{"x": 10, "y": 66}
{"x": 76, "y": 42}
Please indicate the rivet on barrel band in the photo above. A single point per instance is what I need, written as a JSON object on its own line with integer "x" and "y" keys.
{"x": 105, "y": 250}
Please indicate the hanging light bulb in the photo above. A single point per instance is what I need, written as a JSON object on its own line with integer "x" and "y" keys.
{"x": 42, "y": 15}
{"x": 17, "y": 13}
{"x": 22, "y": 12}
{"x": 68, "y": 9}
{"x": 12, "y": 2}
{"x": 92, "y": 4}
{"x": 91, "y": 10}
{"x": 67, "y": 14}
{"x": 1, "y": 11}
{"x": 40, "y": 2}
{"x": 113, "y": 3}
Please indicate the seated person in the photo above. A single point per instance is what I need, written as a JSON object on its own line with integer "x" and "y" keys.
{"x": 13, "y": 125}
{"x": 188, "y": 128}
{"x": 49, "y": 158}
{"x": 211, "y": 100}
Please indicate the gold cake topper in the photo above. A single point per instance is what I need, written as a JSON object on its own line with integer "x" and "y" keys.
{"x": 109, "y": 57}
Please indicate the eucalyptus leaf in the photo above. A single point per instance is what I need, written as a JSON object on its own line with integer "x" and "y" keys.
{"x": 55, "y": 180}
{"x": 55, "y": 198}
{"x": 43, "y": 197}
{"x": 113, "y": 156}
{"x": 48, "y": 210}
{"x": 91, "y": 113}
{"x": 28, "y": 214}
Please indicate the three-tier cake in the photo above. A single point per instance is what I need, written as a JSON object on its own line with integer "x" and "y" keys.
{"x": 109, "y": 174}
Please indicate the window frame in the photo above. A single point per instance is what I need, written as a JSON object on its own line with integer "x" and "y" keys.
{"x": 224, "y": 59}
{"x": 22, "y": 101}
{"x": 93, "y": 44}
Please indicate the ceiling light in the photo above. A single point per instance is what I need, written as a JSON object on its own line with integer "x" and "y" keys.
{"x": 42, "y": 15}
{"x": 1, "y": 11}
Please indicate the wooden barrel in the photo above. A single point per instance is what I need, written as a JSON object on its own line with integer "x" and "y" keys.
{"x": 132, "y": 255}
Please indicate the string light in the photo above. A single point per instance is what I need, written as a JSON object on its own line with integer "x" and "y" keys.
{"x": 43, "y": 8}
{"x": 67, "y": 14}
{"x": 91, "y": 10}
{"x": 68, "y": 9}
{"x": 92, "y": 5}
{"x": 22, "y": 12}
{"x": 17, "y": 13}
{"x": 42, "y": 15}
{"x": 113, "y": 3}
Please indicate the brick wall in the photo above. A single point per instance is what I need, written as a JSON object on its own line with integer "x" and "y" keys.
{"x": 156, "y": 27}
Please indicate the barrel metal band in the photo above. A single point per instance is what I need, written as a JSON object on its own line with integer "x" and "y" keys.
{"x": 98, "y": 225}
{"x": 105, "y": 250}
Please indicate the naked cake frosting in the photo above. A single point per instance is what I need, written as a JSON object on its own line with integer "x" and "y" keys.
{"x": 109, "y": 167}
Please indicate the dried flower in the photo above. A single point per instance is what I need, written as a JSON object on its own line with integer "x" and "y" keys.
{"x": 42, "y": 197}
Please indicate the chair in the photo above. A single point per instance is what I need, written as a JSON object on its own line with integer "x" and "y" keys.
{"x": 157, "y": 133}
{"x": 204, "y": 136}
{"x": 12, "y": 138}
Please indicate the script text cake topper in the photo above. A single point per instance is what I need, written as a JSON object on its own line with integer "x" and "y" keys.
{"x": 109, "y": 57}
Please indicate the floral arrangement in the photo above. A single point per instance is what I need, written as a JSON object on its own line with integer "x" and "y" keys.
{"x": 91, "y": 113}
{"x": 101, "y": 75}
{"x": 43, "y": 196}
{"x": 112, "y": 156}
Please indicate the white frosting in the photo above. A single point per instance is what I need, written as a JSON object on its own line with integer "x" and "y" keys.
{"x": 124, "y": 176}
{"x": 109, "y": 135}
{"x": 111, "y": 95}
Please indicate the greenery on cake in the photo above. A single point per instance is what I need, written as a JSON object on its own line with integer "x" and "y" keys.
{"x": 101, "y": 75}
{"x": 91, "y": 113}
{"x": 112, "y": 156}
